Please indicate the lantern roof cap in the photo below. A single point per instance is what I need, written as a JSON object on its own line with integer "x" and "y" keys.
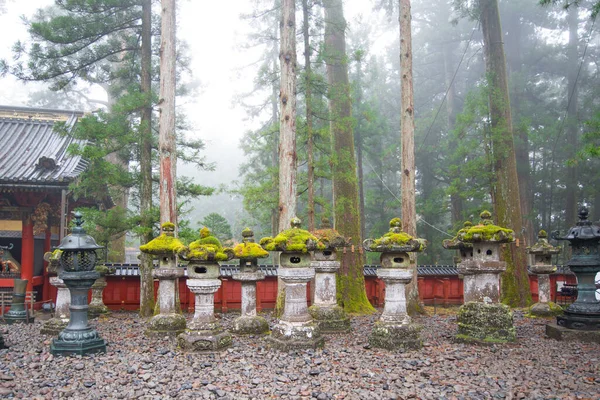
{"x": 248, "y": 249}
{"x": 294, "y": 239}
{"x": 78, "y": 240}
{"x": 485, "y": 231}
{"x": 165, "y": 243}
{"x": 542, "y": 246}
{"x": 584, "y": 230}
{"x": 395, "y": 240}
{"x": 330, "y": 237}
{"x": 207, "y": 248}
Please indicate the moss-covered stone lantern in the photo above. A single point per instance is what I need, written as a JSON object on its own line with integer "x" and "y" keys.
{"x": 168, "y": 319}
{"x": 204, "y": 332}
{"x": 60, "y": 320}
{"x": 248, "y": 252}
{"x": 296, "y": 328}
{"x": 394, "y": 330}
{"x": 483, "y": 318}
{"x": 542, "y": 252}
{"x": 325, "y": 311}
{"x": 77, "y": 262}
{"x": 581, "y": 319}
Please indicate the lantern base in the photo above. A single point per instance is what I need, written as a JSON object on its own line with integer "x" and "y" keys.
{"x": 78, "y": 347}
{"x": 485, "y": 323}
{"x": 14, "y": 317}
{"x": 549, "y": 309}
{"x": 250, "y": 325}
{"x": 96, "y": 310}
{"x": 330, "y": 319}
{"x": 389, "y": 336}
{"x": 54, "y": 326}
{"x": 204, "y": 341}
{"x": 162, "y": 325}
{"x": 557, "y": 332}
{"x": 294, "y": 336}
{"x": 579, "y": 321}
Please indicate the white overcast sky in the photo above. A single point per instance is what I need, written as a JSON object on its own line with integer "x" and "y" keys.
{"x": 214, "y": 34}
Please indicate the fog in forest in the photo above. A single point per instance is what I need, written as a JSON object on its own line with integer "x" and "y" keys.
{"x": 228, "y": 96}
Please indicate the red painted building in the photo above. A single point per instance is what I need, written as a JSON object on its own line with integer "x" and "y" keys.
{"x": 35, "y": 173}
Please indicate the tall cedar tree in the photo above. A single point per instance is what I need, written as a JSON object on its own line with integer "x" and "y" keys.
{"x": 515, "y": 282}
{"x": 287, "y": 115}
{"x": 407, "y": 137}
{"x": 351, "y": 294}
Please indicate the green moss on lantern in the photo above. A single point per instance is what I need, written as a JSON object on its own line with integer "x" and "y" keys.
{"x": 331, "y": 238}
{"x": 394, "y": 239}
{"x": 488, "y": 233}
{"x": 249, "y": 251}
{"x": 164, "y": 243}
{"x": 292, "y": 240}
{"x": 208, "y": 248}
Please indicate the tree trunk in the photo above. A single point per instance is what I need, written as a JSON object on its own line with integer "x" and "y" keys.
{"x": 515, "y": 281}
{"x": 287, "y": 115}
{"x": 351, "y": 284}
{"x": 407, "y": 138}
{"x": 456, "y": 202}
{"x": 166, "y": 104}
{"x": 571, "y": 184}
{"x": 309, "y": 123}
{"x": 358, "y": 142}
{"x": 146, "y": 279}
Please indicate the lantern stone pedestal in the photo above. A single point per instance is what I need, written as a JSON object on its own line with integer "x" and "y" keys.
{"x": 394, "y": 330}
{"x": 325, "y": 311}
{"x": 248, "y": 253}
{"x": 542, "y": 252}
{"x": 60, "y": 321}
{"x": 78, "y": 337}
{"x": 249, "y": 322}
{"x": 482, "y": 319}
{"x": 581, "y": 320}
{"x": 296, "y": 328}
{"x": 18, "y": 312}
{"x": 204, "y": 332}
{"x": 97, "y": 306}
{"x": 169, "y": 321}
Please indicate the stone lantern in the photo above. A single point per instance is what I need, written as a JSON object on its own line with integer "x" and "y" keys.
{"x": 325, "y": 311}
{"x": 18, "y": 311}
{"x": 581, "y": 320}
{"x": 77, "y": 262}
{"x": 483, "y": 318}
{"x": 169, "y": 321}
{"x": 204, "y": 332}
{"x": 60, "y": 320}
{"x": 248, "y": 253}
{"x": 394, "y": 330}
{"x": 97, "y": 306}
{"x": 296, "y": 328}
{"x": 542, "y": 266}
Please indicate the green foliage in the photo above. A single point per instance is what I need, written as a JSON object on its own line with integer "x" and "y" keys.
{"x": 218, "y": 225}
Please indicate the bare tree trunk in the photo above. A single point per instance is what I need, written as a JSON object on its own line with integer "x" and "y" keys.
{"x": 407, "y": 135}
{"x": 351, "y": 284}
{"x": 287, "y": 115}
{"x": 571, "y": 183}
{"x": 358, "y": 146}
{"x": 166, "y": 104}
{"x": 146, "y": 279}
{"x": 515, "y": 281}
{"x": 456, "y": 202}
{"x": 309, "y": 123}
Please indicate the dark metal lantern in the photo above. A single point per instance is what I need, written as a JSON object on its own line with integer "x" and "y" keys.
{"x": 78, "y": 249}
{"x": 584, "y": 313}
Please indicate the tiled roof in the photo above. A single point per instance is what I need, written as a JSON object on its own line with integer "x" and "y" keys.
{"x": 227, "y": 270}
{"x": 31, "y": 153}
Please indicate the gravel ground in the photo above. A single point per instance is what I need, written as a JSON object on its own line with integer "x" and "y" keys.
{"x": 136, "y": 367}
